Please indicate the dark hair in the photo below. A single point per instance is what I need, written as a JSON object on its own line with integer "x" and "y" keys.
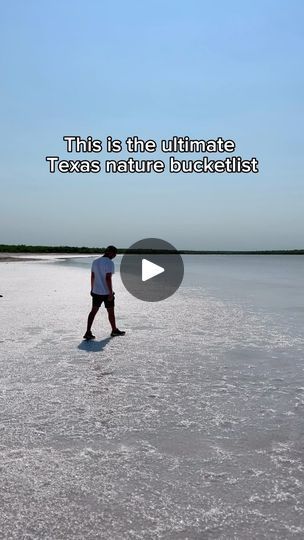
{"x": 111, "y": 249}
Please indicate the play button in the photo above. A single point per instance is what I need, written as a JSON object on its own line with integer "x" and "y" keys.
{"x": 152, "y": 270}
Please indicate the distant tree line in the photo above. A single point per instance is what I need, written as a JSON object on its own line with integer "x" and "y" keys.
{"x": 23, "y": 248}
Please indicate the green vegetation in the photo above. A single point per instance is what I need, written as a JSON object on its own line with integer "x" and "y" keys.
{"x": 22, "y": 248}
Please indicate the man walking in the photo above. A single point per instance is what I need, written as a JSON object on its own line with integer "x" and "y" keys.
{"x": 102, "y": 291}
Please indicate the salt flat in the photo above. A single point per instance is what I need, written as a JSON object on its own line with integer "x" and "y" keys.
{"x": 190, "y": 426}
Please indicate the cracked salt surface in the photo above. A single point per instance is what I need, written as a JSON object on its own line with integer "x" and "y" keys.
{"x": 188, "y": 427}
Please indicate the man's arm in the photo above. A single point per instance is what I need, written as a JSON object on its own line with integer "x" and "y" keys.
{"x": 109, "y": 283}
{"x": 92, "y": 280}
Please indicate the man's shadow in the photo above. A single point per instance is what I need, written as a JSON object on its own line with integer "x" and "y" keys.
{"x": 93, "y": 346}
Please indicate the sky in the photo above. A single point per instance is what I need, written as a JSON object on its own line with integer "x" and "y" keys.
{"x": 152, "y": 69}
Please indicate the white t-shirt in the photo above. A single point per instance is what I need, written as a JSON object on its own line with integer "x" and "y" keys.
{"x": 101, "y": 267}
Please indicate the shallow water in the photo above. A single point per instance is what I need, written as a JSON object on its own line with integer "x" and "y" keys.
{"x": 191, "y": 426}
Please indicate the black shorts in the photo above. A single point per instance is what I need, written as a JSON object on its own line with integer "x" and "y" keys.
{"x": 97, "y": 300}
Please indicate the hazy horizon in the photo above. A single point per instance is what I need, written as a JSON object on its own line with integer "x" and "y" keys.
{"x": 198, "y": 249}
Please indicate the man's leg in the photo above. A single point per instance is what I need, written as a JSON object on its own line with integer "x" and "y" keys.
{"x": 91, "y": 317}
{"x": 111, "y": 316}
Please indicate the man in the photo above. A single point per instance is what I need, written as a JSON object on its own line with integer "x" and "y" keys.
{"x": 102, "y": 291}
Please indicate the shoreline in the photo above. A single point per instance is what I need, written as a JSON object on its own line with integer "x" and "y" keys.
{"x": 33, "y": 257}
{"x": 39, "y": 257}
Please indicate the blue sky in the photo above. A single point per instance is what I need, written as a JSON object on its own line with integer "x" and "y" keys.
{"x": 153, "y": 69}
